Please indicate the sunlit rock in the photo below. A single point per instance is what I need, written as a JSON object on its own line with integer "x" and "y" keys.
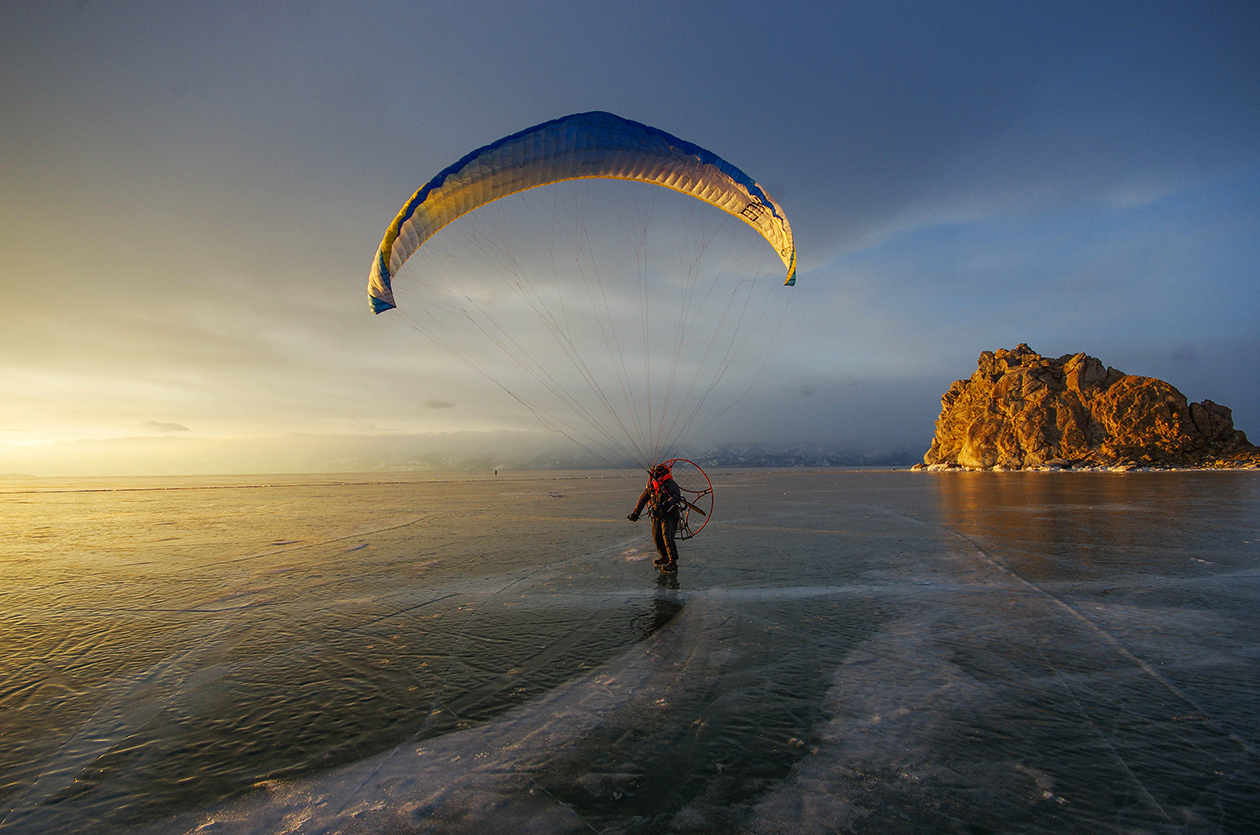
{"x": 1020, "y": 410}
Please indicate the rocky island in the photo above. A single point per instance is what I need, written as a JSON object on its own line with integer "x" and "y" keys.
{"x": 1022, "y": 411}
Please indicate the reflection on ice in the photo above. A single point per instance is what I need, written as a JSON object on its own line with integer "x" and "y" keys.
{"x": 866, "y": 652}
{"x": 496, "y": 774}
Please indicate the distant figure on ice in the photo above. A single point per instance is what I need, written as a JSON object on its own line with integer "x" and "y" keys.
{"x": 665, "y": 501}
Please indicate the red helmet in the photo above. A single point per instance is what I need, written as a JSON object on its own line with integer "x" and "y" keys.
{"x": 660, "y": 471}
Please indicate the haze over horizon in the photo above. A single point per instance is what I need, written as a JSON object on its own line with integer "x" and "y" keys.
{"x": 193, "y": 195}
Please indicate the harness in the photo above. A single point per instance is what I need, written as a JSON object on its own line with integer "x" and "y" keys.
{"x": 662, "y": 501}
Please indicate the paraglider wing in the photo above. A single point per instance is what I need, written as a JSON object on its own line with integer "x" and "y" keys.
{"x": 584, "y": 145}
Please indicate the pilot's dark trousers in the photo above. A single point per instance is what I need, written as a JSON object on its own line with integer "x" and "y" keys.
{"x": 663, "y": 531}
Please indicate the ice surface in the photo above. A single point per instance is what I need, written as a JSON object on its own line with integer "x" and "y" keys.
{"x": 841, "y": 651}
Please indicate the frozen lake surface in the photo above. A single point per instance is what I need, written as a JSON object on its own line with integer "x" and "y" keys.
{"x": 841, "y": 651}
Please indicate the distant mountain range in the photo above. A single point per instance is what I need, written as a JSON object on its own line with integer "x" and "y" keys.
{"x": 755, "y": 455}
{"x": 727, "y": 455}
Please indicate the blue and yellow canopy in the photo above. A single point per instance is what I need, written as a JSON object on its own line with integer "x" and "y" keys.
{"x": 584, "y": 145}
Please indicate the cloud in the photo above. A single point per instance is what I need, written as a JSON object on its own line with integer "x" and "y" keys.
{"x": 159, "y": 426}
{"x": 959, "y": 179}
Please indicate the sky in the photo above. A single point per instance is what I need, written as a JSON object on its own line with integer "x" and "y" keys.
{"x": 193, "y": 193}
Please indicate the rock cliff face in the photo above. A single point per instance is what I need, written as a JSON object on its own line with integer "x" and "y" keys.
{"x": 1021, "y": 410}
